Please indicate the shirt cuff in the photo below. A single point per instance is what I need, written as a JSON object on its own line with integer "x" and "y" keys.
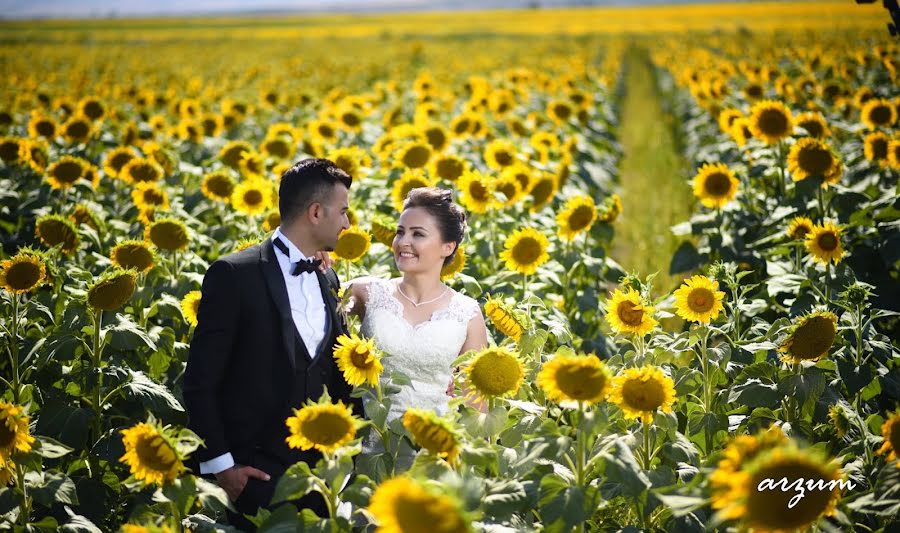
{"x": 219, "y": 464}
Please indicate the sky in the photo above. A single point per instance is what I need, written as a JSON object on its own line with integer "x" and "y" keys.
{"x": 19, "y": 9}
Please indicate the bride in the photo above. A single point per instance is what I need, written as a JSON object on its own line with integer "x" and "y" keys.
{"x": 422, "y": 324}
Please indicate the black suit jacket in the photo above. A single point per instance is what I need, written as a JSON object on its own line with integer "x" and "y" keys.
{"x": 244, "y": 375}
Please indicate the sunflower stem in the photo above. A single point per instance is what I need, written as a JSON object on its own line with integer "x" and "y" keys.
{"x": 491, "y": 436}
{"x": 25, "y": 504}
{"x": 797, "y": 257}
{"x": 820, "y": 194}
{"x": 781, "y": 191}
{"x": 95, "y": 357}
{"x": 827, "y": 282}
{"x": 646, "y": 448}
{"x": 175, "y": 271}
{"x": 176, "y": 512}
{"x": 859, "y": 331}
{"x": 579, "y": 447}
{"x": 14, "y": 348}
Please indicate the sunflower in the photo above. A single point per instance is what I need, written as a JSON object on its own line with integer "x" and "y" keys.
{"x": 582, "y": 379}
{"x": 727, "y": 117}
{"x": 768, "y": 509}
{"x": 272, "y": 220}
{"x": 640, "y": 392}
{"x": 699, "y": 299}
{"x": 499, "y": 154}
{"x": 511, "y": 188}
{"x": 543, "y": 190}
{"x": 810, "y": 337}
{"x": 36, "y": 154}
{"x": 112, "y": 290}
{"x": 413, "y": 155}
{"x": 252, "y": 165}
{"x": 525, "y": 250}
{"x": 740, "y": 131}
{"x": 352, "y": 244}
{"x": 519, "y": 172}
{"x": 577, "y": 216}
{"x": 10, "y": 149}
{"x": 243, "y": 244}
{"x": 824, "y": 243}
{"x": 77, "y": 129}
{"x": 168, "y": 234}
{"x": 252, "y": 196}
{"x": 7, "y": 474}
{"x": 151, "y": 454}
{"x": 839, "y": 420}
{"x": 476, "y": 192}
{"x": 358, "y": 359}
{"x": 814, "y": 124}
{"x": 349, "y": 119}
{"x": 505, "y": 318}
{"x": 148, "y": 195}
{"x": 455, "y": 266}
{"x": 715, "y": 185}
{"x": 14, "y": 434}
{"x": 133, "y": 253}
{"x": 559, "y": 111}
{"x": 799, "y": 228}
{"x": 64, "y": 173}
{"x": 212, "y": 124}
{"x": 83, "y": 215}
{"x": 323, "y": 131}
{"x": 890, "y": 432}
{"x": 231, "y": 153}
{"x": 626, "y": 312}
{"x": 116, "y": 159}
{"x": 741, "y": 450}
{"x": 409, "y": 180}
{"x": 218, "y": 185}
{"x": 401, "y": 505}
{"x": 350, "y": 159}
{"x": 55, "y": 230}
{"x": 141, "y": 170}
{"x": 437, "y": 135}
{"x": 323, "y": 426}
{"x": 875, "y": 148}
{"x": 770, "y": 121}
{"x": 189, "y": 306}
{"x": 433, "y": 433}
{"x": 494, "y": 372}
{"x": 22, "y": 272}
{"x": 384, "y": 228}
{"x": 41, "y": 125}
{"x": 610, "y": 209}
{"x": 280, "y": 147}
{"x": 878, "y": 113}
{"x": 810, "y": 157}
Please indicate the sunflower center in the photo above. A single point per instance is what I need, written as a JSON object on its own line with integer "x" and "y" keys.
{"x": 221, "y": 186}
{"x": 112, "y": 293}
{"x": 54, "y": 232}
{"x": 7, "y": 435}
{"x": 326, "y": 428}
{"x": 630, "y": 313}
{"x": 754, "y": 90}
{"x": 507, "y": 189}
{"x": 23, "y": 275}
{"x": 769, "y": 508}
{"x": 879, "y": 148}
{"x": 461, "y": 127}
{"x": 478, "y": 191}
{"x": 580, "y": 382}
{"x": 137, "y": 257}
{"x": 813, "y": 339}
{"x": 828, "y": 242}
{"x": 154, "y": 197}
{"x": 78, "y": 129}
{"x": 701, "y": 300}
{"x": 581, "y": 217}
{"x": 154, "y": 453}
{"x": 350, "y": 246}
{"x": 168, "y": 235}
{"x": 67, "y": 171}
{"x": 526, "y": 251}
{"x": 449, "y": 169}
{"x": 503, "y": 158}
{"x": 416, "y": 157}
{"x": 813, "y": 127}
{"x": 120, "y": 160}
{"x": 143, "y": 172}
{"x": 562, "y": 111}
{"x": 773, "y": 122}
{"x": 362, "y": 359}
{"x": 326, "y": 131}
{"x": 45, "y": 128}
{"x": 894, "y": 437}
{"x": 93, "y": 110}
{"x": 541, "y": 191}
{"x": 717, "y": 184}
{"x": 643, "y": 395}
{"x": 815, "y": 160}
{"x": 253, "y": 197}
{"x": 880, "y": 115}
{"x": 436, "y": 138}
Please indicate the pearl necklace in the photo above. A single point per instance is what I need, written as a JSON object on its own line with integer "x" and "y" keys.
{"x": 425, "y": 302}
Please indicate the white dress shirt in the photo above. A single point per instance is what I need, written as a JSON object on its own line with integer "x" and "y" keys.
{"x": 309, "y": 315}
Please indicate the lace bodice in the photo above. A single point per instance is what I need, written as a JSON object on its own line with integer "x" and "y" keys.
{"x": 423, "y": 352}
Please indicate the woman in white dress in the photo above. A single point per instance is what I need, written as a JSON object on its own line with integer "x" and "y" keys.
{"x": 417, "y": 320}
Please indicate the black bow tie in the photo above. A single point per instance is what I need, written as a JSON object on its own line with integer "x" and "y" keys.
{"x": 304, "y": 266}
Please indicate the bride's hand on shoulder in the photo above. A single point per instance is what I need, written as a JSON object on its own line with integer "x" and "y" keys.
{"x": 325, "y": 258}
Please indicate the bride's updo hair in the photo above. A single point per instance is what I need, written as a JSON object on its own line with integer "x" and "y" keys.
{"x": 450, "y": 217}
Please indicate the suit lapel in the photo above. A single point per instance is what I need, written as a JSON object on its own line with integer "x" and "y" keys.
{"x": 278, "y": 291}
{"x": 330, "y": 305}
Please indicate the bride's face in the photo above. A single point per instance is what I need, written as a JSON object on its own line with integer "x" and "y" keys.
{"x": 418, "y": 246}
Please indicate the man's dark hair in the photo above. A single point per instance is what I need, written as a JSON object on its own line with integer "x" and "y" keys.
{"x": 308, "y": 181}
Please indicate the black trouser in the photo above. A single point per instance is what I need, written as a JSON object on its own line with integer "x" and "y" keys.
{"x": 258, "y": 493}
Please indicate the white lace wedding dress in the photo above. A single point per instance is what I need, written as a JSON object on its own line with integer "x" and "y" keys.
{"x": 424, "y": 352}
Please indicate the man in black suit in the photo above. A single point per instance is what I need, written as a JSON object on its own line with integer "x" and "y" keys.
{"x": 266, "y": 328}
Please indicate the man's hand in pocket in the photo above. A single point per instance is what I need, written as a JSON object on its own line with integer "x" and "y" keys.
{"x": 234, "y": 479}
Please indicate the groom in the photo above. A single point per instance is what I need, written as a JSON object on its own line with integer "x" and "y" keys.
{"x": 266, "y": 327}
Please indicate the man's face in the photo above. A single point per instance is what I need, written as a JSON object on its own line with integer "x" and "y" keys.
{"x": 333, "y": 217}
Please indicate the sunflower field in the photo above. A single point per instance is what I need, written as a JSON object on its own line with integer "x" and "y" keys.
{"x": 747, "y": 381}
